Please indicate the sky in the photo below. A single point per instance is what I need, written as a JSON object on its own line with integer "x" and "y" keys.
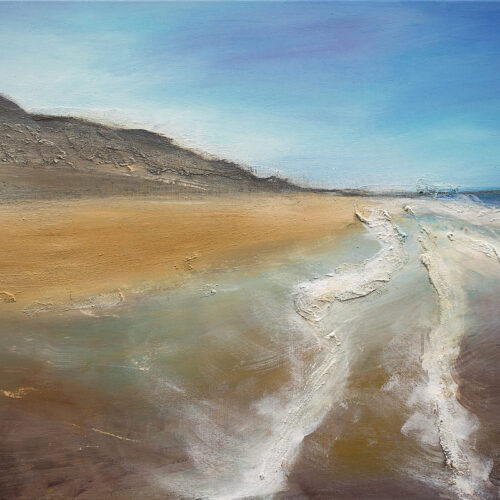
{"x": 354, "y": 94}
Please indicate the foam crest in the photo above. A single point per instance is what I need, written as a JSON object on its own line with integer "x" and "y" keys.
{"x": 454, "y": 424}
{"x": 314, "y": 299}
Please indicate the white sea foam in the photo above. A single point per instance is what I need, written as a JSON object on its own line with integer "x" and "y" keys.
{"x": 446, "y": 261}
{"x": 258, "y": 463}
{"x": 453, "y": 424}
{"x": 327, "y": 378}
{"x": 264, "y": 464}
{"x": 314, "y": 299}
{"x": 463, "y": 208}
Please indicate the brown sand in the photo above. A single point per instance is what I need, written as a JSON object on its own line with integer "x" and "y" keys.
{"x": 83, "y": 247}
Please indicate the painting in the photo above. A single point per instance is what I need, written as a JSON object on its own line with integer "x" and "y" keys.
{"x": 249, "y": 250}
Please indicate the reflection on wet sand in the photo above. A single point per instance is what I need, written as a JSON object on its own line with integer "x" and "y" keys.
{"x": 477, "y": 372}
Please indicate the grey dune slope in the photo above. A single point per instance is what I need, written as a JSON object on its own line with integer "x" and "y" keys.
{"x": 52, "y": 156}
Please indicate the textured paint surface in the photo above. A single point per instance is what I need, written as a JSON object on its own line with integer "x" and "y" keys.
{"x": 174, "y": 326}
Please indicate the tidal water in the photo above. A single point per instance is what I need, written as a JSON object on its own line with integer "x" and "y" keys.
{"x": 366, "y": 367}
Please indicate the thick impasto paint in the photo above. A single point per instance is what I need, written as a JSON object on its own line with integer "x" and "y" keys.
{"x": 249, "y": 250}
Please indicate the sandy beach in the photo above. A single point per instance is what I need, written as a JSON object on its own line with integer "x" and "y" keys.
{"x": 59, "y": 249}
{"x": 174, "y": 326}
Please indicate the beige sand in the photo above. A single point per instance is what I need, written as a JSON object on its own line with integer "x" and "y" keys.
{"x": 83, "y": 247}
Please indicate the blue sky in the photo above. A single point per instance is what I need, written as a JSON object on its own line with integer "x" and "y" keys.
{"x": 333, "y": 94}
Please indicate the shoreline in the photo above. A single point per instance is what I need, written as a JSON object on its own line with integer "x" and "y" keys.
{"x": 56, "y": 249}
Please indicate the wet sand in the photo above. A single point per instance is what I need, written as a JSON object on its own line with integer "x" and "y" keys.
{"x": 54, "y": 250}
{"x": 181, "y": 393}
{"x": 477, "y": 372}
